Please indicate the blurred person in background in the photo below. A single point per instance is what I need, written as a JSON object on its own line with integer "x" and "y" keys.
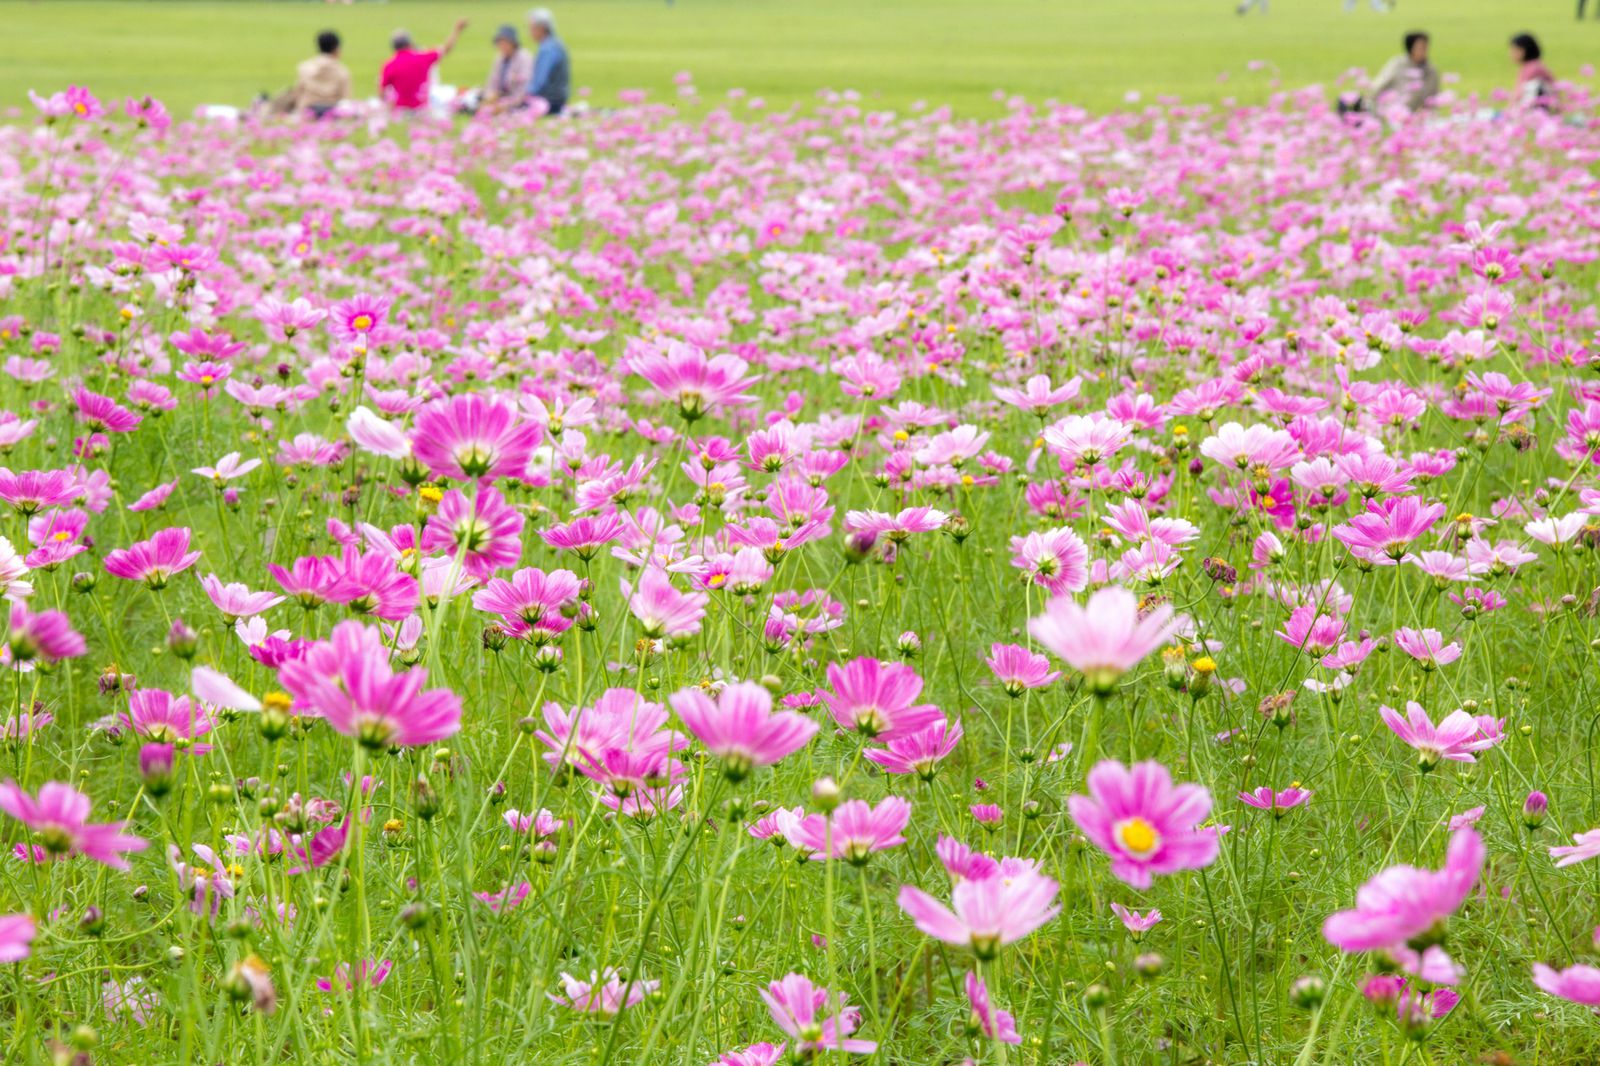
{"x": 552, "y": 70}
{"x": 1536, "y": 85}
{"x": 321, "y": 83}
{"x": 405, "y": 78}
{"x": 511, "y": 74}
{"x": 1408, "y": 77}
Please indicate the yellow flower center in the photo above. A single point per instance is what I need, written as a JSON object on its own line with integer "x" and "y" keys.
{"x": 1138, "y": 837}
{"x": 361, "y": 322}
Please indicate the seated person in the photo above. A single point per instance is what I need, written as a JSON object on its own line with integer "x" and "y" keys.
{"x": 405, "y": 78}
{"x": 1408, "y": 78}
{"x": 552, "y": 70}
{"x": 510, "y": 74}
{"x": 321, "y": 83}
{"x": 1536, "y": 86}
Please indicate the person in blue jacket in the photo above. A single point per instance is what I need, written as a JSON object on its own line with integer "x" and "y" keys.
{"x": 552, "y": 70}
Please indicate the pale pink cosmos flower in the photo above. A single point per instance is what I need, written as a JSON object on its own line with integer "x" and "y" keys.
{"x": 1427, "y": 647}
{"x": 662, "y": 610}
{"x": 605, "y": 993}
{"x": 853, "y": 832}
{"x": 1105, "y": 638}
{"x": 227, "y": 468}
{"x": 235, "y": 600}
{"x": 918, "y": 753}
{"x": 1279, "y": 803}
{"x": 896, "y": 527}
{"x": 1585, "y": 845}
{"x": 1056, "y": 559}
{"x": 1018, "y": 669}
{"x": 1144, "y": 822}
{"x": 985, "y": 914}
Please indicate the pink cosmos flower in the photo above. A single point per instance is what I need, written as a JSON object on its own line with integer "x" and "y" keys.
{"x": 473, "y": 437}
{"x": 1457, "y": 737}
{"x": 1018, "y": 669}
{"x": 918, "y": 753}
{"x": 1057, "y": 560}
{"x": 1403, "y": 902}
{"x": 345, "y": 977}
{"x": 483, "y": 534}
{"x": 154, "y": 561}
{"x": 164, "y": 718}
{"x": 683, "y": 375}
{"x": 985, "y": 914}
{"x": 895, "y": 527}
{"x": 59, "y": 817}
{"x": 817, "y": 1020}
{"x": 1585, "y": 845}
{"x": 235, "y": 600}
{"x": 45, "y": 637}
{"x": 1427, "y": 647}
{"x": 1279, "y": 803}
{"x": 878, "y": 699}
{"x": 102, "y": 414}
{"x": 853, "y": 832}
{"x": 1105, "y": 638}
{"x": 990, "y": 1020}
{"x": 348, "y": 681}
{"x": 1135, "y": 923}
{"x": 1145, "y": 823}
{"x": 605, "y": 993}
{"x": 16, "y": 937}
{"x": 762, "y": 1054}
{"x": 1579, "y": 983}
{"x": 662, "y": 610}
{"x": 355, "y": 319}
{"x": 31, "y": 491}
{"x": 1384, "y": 533}
{"x": 740, "y": 728}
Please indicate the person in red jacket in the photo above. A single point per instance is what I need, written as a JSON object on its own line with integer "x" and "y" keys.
{"x": 404, "y": 82}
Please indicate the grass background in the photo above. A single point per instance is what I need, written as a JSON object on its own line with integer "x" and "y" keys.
{"x": 957, "y": 52}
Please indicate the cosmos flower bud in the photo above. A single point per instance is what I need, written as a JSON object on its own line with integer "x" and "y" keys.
{"x": 156, "y": 768}
{"x": 825, "y": 794}
{"x": 182, "y": 640}
{"x": 1534, "y": 809}
{"x": 1308, "y": 991}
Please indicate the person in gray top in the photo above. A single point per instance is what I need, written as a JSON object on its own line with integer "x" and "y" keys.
{"x": 1408, "y": 78}
{"x": 507, "y": 86}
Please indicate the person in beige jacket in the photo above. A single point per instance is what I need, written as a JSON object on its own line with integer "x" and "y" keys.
{"x": 1408, "y": 78}
{"x": 322, "y": 82}
{"x": 509, "y": 75}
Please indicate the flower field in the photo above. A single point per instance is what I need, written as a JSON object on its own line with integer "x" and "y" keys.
{"x": 806, "y": 585}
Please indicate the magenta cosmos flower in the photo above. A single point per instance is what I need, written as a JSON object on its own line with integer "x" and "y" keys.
{"x": 1403, "y": 903}
{"x": 16, "y": 936}
{"x": 878, "y": 699}
{"x": 740, "y": 728}
{"x": 663, "y": 610}
{"x": 348, "y": 681}
{"x": 473, "y": 437}
{"x": 987, "y": 913}
{"x": 45, "y": 637}
{"x": 991, "y": 1021}
{"x": 918, "y": 753}
{"x": 154, "y": 561}
{"x": 1105, "y": 638}
{"x": 59, "y": 817}
{"x": 1144, "y": 822}
{"x": 814, "y": 1017}
{"x": 1279, "y": 803}
{"x": 483, "y": 534}
{"x": 1018, "y": 669}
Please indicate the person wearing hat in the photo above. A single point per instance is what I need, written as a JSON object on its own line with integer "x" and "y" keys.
{"x": 404, "y": 82}
{"x": 510, "y": 73}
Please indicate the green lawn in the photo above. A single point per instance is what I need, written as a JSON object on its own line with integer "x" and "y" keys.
{"x": 1091, "y": 52}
